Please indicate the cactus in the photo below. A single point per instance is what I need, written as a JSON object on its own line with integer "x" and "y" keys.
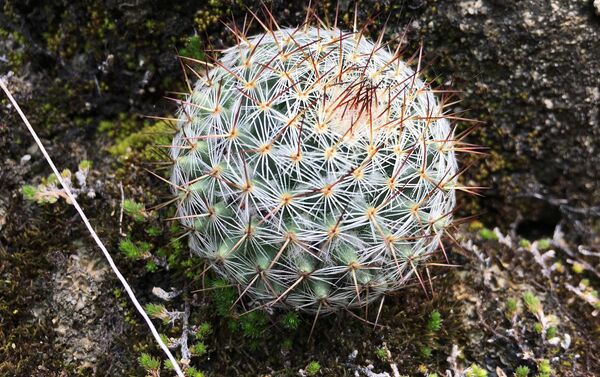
{"x": 313, "y": 168}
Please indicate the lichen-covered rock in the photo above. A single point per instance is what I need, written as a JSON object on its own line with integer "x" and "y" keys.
{"x": 530, "y": 71}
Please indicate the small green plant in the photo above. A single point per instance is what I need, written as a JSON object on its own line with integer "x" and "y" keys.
{"x": 157, "y": 311}
{"x": 488, "y": 234}
{"x": 544, "y": 244}
{"x": 29, "y": 192}
{"x": 426, "y": 351}
{"x": 138, "y": 251}
{"x": 381, "y": 353}
{"x": 204, "y": 330}
{"x": 512, "y": 307}
{"x": 522, "y": 371}
{"x": 193, "y": 372}
{"x": 312, "y": 368}
{"x": 434, "y": 324}
{"x": 134, "y": 210}
{"x": 532, "y": 303}
{"x": 544, "y": 369}
{"x": 578, "y": 268}
{"x": 290, "y": 320}
{"x": 153, "y": 231}
{"x": 253, "y": 324}
{"x": 475, "y": 371}
{"x": 546, "y": 324}
{"x": 476, "y": 225}
{"x": 134, "y": 251}
{"x": 524, "y": 243}
{"x": 150, "y": 364}
{"x": 49, "y": 191}
{"x": 223, "y": 296}
{"x": 151, "y": 266}
{"x": 198, "y": 349}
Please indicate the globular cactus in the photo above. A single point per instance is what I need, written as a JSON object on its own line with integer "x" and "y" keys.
{"x": 314, "y": 169}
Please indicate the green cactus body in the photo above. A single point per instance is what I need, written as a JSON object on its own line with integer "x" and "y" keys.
{"x": 314, "y": 169}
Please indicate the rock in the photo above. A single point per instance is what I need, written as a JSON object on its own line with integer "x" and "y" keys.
{"x": 81, "y": 311}
{"x": 25, "y": 159}
{"x": 530, "y": 72}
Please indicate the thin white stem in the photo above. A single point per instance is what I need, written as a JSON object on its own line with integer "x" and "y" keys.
{"x": 93, "y": 233}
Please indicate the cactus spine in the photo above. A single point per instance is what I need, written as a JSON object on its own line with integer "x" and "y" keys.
{"x": 314, "y": 169}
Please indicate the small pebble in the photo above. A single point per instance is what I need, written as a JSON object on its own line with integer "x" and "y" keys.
{"x": 25, "y": 158}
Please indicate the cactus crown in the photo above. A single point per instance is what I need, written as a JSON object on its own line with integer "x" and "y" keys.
{"x": 313, "y": 168}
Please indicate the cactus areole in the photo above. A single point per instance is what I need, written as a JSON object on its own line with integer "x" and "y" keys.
{"x": 314, "y": 169}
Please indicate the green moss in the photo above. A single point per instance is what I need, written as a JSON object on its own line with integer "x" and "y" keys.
{"x": 149, "y": 363}
{"x": 551, "y": 332}
{"x": 476, "y": 225}
{"x": 544, "y": 244}
{"x": 381, "y": 354}
{"x": 434, "y": 324}
{"x": 198, "y": 349}
{"x": 559, "y": 267}
{"x": 132, "y": 250}
{"x": 476, "y": 371}
{"x": 544, "y": 369}
{"x": 223, "y": 296}
{"x": 193, "y": 372}
{"x": 29, "y": 192}
{"x": 488, "y": 234}
{"x": 153, "y": 231}
{"x": 253, "y": 324}
{"x": 206, "y": 18}
{"x": 578, "y": 268}
{"x": 139, "y": 142}
{"x": 151, "y": 266}
{"x": 522, "y": 371}
{"x": 134, "y": 210}
{"x": 524, "y": 243}
{"x": 204, "y": 330}
{"x": 155, "y": 310}
{"x": 511, "y": 308}
{"x": 532, "y": 303}
{"x": 16, "y": 56}
{"x": 426, "y": 351}
{"x": 312, "y": 368}
{"x": 85, "y": 165}
{"x": 117, "y": 292}
{"x": 290, "y": 320}
{"x": 193, "y": 48}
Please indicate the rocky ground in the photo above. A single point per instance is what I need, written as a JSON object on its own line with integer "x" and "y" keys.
{"x": 524, "y": 293}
